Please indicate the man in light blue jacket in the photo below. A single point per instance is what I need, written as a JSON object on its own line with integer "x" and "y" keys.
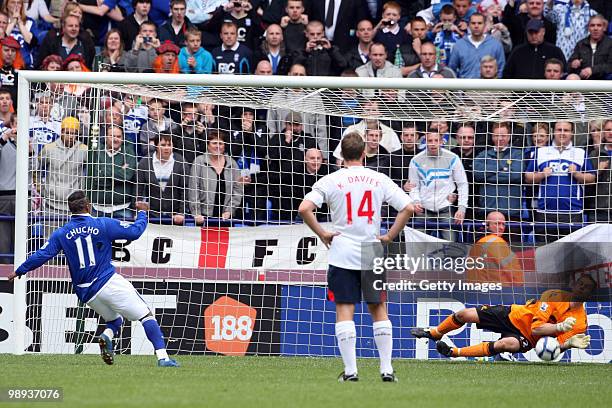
{"x": 468, "y": 51}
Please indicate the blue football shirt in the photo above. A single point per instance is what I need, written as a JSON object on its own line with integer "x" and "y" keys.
{"x": 560, "y": 192}
{"x": 87, "y": 244}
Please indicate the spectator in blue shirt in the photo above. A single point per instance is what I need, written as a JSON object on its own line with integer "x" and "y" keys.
{"x": 561, "y": 170}
{"x": 231, "y": 57}
{"x": 193, "y": 59}
{"x": 572, "y": 20}
{"x": 464, "y": 9}
{"x": 445, "y": 34}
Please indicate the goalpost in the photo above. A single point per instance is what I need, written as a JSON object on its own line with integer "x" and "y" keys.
{"x": 254, "y": 283}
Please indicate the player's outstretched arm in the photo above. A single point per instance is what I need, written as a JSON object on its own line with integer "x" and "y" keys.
{"x": 123, "y": 230}
{"x": 46, "y": 252}
{"x": 554, "y": 329}
{"x": 400, "y": 222}
{"x": 306, "y": 211}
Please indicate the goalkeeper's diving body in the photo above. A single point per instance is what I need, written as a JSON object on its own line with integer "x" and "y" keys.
{"x": 86, "y": 242}
{"x": 354, "y": 195}
{"x": 557, "y": 313}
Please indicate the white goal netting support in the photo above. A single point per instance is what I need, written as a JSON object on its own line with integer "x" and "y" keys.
{"x": 222, "y": 162}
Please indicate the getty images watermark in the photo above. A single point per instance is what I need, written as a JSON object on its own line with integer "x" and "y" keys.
{"x": 439, "y": 268}
{"x": 450, "y": 268}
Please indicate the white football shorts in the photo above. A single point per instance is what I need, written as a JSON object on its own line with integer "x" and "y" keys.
{"x": 119, "y": 298}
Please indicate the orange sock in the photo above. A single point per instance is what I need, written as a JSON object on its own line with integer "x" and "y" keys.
{"x": 478, "y": 350}
{"x": 449, "y": 324}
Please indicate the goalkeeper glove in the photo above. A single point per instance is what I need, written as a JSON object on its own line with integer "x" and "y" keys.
{"x": 566, "y": 325}
{"x": 580, "y": 341}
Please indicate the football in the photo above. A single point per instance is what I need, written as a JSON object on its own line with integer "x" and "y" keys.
{"x": 547, "y": 348}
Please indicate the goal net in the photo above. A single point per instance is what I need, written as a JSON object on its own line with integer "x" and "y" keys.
{"x": 514, "y": 174}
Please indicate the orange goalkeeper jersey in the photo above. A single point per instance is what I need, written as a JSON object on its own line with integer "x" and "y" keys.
{"x": 550, "y": 309}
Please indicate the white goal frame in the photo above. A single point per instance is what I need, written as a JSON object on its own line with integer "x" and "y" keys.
{"x": 23, "y": 105}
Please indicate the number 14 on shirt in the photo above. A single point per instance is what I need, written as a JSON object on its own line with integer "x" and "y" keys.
{"x": 365, "y": 207}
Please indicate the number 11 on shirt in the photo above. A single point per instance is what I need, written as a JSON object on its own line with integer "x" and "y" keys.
{"x": 90, "y": 251}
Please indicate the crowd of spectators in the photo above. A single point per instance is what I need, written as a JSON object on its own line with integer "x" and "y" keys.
{"x": 199, "y": 161}
{"x": 328, "y": 37}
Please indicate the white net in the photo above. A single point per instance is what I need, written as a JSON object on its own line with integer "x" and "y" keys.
{"x": 227, "y": 265}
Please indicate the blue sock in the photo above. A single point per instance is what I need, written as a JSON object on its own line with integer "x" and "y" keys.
{"x": 154, "y": 333}
{"x": 115, "y": 325}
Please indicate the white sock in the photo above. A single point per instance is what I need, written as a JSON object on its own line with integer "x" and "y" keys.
{"x": 109, "y": 333}
{"x": 162, "y": 354}
{"x": 383, "y": 337}
{"x": 347, "y": 339}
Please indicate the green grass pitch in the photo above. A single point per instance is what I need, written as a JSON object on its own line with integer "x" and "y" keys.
{"x": 262, "y": 382}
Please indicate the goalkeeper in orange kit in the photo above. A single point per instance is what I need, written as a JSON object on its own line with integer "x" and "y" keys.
{"x": 558, "y": 314}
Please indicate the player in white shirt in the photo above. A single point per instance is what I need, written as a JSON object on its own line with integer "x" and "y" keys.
{"x": 355, "y": 195}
